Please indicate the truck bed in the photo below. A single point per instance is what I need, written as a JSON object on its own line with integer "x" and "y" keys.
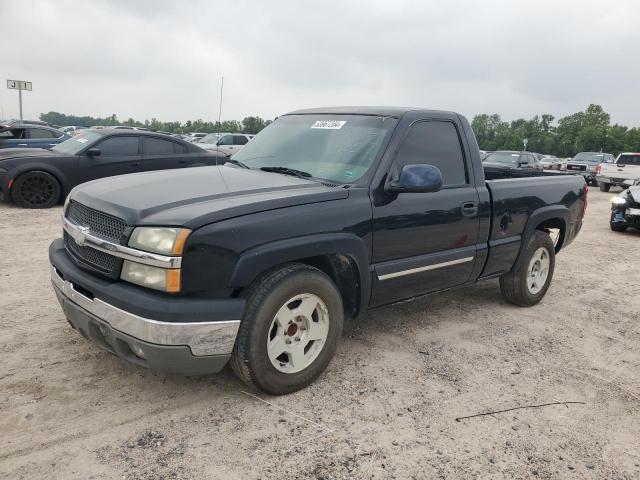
{"x": 514, "y": 201}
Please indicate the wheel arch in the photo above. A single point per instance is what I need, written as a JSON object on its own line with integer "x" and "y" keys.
{"x": 342, "y": 257}
{"x": 553, "y": 216}
{"x": 39, "y": 167}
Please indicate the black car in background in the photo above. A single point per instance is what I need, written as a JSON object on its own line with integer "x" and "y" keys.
{"x": 39, "y": 178}
{"x": 508, "y": 161}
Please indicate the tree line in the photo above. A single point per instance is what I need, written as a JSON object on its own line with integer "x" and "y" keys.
{"x": 588, "y": 131}
{"x": 251, "y": 125}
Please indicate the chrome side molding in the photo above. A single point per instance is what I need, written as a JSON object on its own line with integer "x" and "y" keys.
{"x": 434, "y": 266}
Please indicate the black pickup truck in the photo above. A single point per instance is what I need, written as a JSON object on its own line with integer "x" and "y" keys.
{"x": 325, "y": 214}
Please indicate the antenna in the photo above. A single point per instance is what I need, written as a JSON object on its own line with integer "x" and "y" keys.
{"x": 218, "y": 136}
{"x": 220, "y": 111}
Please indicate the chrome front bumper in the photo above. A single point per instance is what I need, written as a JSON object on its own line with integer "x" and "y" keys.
{"x": 202, "y": 338}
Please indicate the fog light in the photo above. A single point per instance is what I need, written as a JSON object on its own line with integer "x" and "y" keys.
{"x": 137, "y": 351}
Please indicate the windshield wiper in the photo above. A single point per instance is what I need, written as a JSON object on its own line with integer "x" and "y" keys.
{"x": 236, "y": 162}
{"x": 287, "y": 171}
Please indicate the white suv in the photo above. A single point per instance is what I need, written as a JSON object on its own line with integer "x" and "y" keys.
{"x": 626, "y": 167}
{"x": 226, "y": 143}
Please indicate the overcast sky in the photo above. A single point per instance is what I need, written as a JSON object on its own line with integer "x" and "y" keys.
{"x": 164, "y": 59}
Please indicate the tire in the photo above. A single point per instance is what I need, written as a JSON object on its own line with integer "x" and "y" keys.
{"x": 36, "y": 189}
{"x": 515, "y": 285}
{"x": 280, "y": 291}
{"x": 604, "y": 187}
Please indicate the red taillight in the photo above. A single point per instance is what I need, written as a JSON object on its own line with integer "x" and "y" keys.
{"x": 598, "y": 169}
{"x": 585, "y": 191}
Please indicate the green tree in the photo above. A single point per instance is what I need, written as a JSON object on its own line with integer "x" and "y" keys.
{"x": 253, "y": 125}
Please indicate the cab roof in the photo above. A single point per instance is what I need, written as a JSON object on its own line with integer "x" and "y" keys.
{"x": 395, "y": 112}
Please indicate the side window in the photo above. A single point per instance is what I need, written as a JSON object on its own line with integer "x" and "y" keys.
{"x": 435, "y": 143}
{"x": 629, "y": 160}
{"x": 156, "y": 146}
{"x": 226, "y": 140}
{"x": 40, "y": 133}
{"x": 179, "y": 148}
{"x": 240, "y": 140}
{"x": 16, "y": 134}
{"x": 532, "y": 160}
{"x": 122, "y": 146}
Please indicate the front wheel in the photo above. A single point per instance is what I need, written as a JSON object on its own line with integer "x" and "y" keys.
{"x": 290, "y": 331}
{"x": 36, "y": 189}
{"x": 528, "y": 281}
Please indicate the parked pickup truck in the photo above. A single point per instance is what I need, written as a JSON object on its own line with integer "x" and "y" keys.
{"x": 586, "y": 164}
{"x": 325, "y": 214}
{"x": 626, "y": 168}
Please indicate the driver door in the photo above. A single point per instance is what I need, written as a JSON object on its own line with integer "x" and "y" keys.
{"x": 424, "y": 242}
{"x": 119, "y": 155}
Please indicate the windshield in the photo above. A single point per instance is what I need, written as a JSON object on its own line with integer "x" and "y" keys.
{"x": 338, "y": 148}
{"x": 589, "y": 157}
{"x": 503, "y": 157}
{"x": 74, "y": 144}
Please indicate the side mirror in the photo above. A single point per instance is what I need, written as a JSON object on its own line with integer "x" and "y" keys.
{"x": 93, "y": 152}
{"x": 418, "y": 178}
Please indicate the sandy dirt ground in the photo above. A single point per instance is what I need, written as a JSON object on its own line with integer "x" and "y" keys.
{"x": 386, "y": 406}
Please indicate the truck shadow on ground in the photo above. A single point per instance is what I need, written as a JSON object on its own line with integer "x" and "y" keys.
{"x": 410, "y": 315}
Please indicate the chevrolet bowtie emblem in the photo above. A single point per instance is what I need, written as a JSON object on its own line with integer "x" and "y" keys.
{"x": 80, "y": 235}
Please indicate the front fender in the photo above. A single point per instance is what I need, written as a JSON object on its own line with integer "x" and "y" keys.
{"x": 257, "y": 260}
{"x": 17, "y": 170}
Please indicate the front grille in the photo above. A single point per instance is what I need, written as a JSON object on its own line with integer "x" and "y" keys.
{"x": 581, "y": 168}
{"x": 100, "y": 224}
{"x": 102, "y": 261}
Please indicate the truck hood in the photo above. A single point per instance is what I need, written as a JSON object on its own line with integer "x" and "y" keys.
{"x": 193, "y": 197}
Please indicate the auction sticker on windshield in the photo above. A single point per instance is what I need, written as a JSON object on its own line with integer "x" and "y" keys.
{"x": 329, "y": 124}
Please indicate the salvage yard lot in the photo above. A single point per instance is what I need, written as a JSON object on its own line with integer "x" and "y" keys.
{"x": 385, "y": 407}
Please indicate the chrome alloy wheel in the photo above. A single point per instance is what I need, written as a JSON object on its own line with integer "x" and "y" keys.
{"x": 298, "y": 332}
{"x": 538, "y": 270}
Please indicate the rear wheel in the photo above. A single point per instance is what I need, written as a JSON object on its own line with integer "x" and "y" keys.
{"x": 527, "y": 283}
{"x": 604, "y": 187}
{"x": 290, "y": 330}
{"x": 36, "y": 189}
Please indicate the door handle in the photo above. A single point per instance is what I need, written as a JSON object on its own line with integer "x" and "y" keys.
{"x": 135, "y": 164}
{"x": 469, "y": 209}
{"x": 182, "y": 162}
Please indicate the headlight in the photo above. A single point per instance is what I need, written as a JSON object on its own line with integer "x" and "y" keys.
{"x": 162, "y": 240}
{"x": 167, "y": 280}
{"x": 618, "y": 200}
{"x": 591, "y": 169}
{"x": 66, "y": 204}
